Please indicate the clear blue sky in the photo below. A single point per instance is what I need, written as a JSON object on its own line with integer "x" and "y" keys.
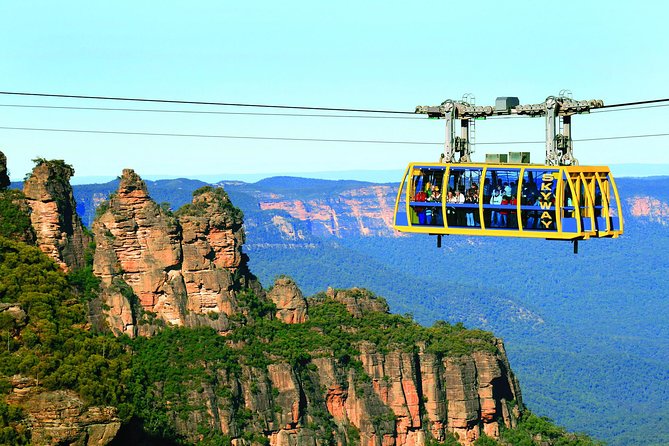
{"x": 374, "y": 54}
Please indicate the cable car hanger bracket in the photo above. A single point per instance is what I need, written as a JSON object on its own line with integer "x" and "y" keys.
{"x": 556, "y": 110}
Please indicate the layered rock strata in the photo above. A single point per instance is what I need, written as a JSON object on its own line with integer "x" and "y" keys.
{"x": 291, "y": 306}
{"x": 60, "y": 233}
{"x": 60, "y": 417}
{"x": 361, "y": 211}
{"x": 159, "y": 268}
{"x": 398, "y": 397}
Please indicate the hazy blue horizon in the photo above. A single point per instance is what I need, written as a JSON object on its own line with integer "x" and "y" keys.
{"x": 373, "y": 176}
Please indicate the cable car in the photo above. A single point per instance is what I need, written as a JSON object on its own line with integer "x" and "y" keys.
{"x": 559, "y": 200}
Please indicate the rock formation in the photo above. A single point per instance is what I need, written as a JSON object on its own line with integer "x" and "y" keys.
{"x": 159, "y": 268}
{"x": 61, "y": 417}
{"x": 59, "y": 231}
{"x": 185, "y": 270}
{"x": 4, "y": 177}
{"x": 365, "y": 210}
{"x": 291, "y": 306}
{"x": 397, "y": 396}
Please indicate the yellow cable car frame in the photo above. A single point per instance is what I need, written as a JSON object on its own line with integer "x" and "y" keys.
{"x": 575, "y": 202}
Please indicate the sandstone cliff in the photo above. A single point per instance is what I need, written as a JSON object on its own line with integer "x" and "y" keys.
{"x": 393, "y": 393}
{"x": 300, "y": 210}
{"x": 60, "y": 417}
{"x": 4, "y": 177}
{"x": 648, "y": 208}
{"x": 60, "y": 233}
{"x": 157, "y": 268}
{"x": 364, "y": 211}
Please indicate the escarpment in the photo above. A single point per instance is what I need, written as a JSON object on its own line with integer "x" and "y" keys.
{"x": 158, "y": 268}
{"x": 360, "y": 376}
{"x": 62, "y": 417}
{"x": 60, "y": 233}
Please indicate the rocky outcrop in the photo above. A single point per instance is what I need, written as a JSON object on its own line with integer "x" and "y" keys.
{"x": 14, "y": 313}
{"x": 393, "y": 396}
{"x": 4, "y": 176}
{"x": 358, "y": 301}
{"x": 61, "y": 417}
{"x": 158, "y": 268}
{"x": 60, "y": 233}
{"x": 649, "y": 208}
{"x": 212, "y": 239}
{"x": 291, "y": 306}
{"x": 360, "y": 210}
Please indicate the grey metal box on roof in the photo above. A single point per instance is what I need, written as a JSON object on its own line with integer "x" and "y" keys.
{"x": 505, "y": 103}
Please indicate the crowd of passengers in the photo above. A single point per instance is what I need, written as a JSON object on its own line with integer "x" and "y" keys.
{"x": 503, "y": 193}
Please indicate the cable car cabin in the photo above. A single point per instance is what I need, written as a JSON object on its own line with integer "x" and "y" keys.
{"x": 509, "y": 200}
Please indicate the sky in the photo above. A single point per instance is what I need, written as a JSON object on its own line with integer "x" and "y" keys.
{"x": 390, "y": 55}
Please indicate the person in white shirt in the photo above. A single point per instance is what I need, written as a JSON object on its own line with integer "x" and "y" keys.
{"x": 495, "y": 199}
{"x": 459, "y": 212}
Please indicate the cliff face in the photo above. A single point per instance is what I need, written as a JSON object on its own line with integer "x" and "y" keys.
{"x": 365, "y": 211}
{"x": 59, "y": 231}
{"x": 159, "y": 268}
{"x": 4, "y": 177}
{"x": 649, "y": 209}
{"x": 395, "y": 397}
{"x": 61, "y": 417}
{"x": 291, "y": 306}
{"x": 359, "y": 209}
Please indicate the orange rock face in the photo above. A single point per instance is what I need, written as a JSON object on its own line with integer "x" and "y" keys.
{"x": 61, "y": 417}
{"x": 60, "y": 233}
{"x": 154, "y": 265}
{"x": 365, "y": 211}
{"x": 464, "y": 395}
{"x": 649, "y": 208}
{"x": 291, "y": 306}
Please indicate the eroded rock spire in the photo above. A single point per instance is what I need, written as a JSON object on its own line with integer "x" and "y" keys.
{"x": 60, "y": 233}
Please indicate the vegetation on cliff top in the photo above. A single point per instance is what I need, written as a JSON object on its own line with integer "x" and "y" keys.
{"x": 53, "y": 344}
{"x": 14, "y": 221}
{"x": 217, "y": 199}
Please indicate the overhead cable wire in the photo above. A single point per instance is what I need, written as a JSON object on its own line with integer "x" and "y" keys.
{"x": 237, "y": 104}
{"x": 278, "y": 138}
{"x": 227, "y": 104}
{"x": 305, "y": 115}
{"x": 598, "y": 110}
{"x": 626, "y": 104}
{"x": 205, "y": 112}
